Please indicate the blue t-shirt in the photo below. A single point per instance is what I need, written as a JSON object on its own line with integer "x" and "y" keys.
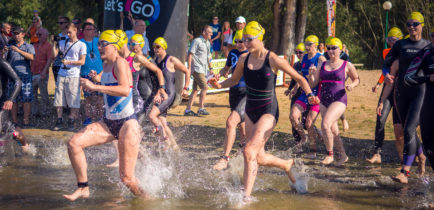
{"x": 20, "y": 64}
{"x": 93, "y": 58}
{"x": 232, "y": 61}
{"x": 306, "y": 62}
{"x": 216, "y": 28}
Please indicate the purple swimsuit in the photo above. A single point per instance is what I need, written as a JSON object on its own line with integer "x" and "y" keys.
{"x": 332, "y": 85}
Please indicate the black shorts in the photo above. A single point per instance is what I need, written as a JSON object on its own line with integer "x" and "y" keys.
{"x": 237, "y": 101}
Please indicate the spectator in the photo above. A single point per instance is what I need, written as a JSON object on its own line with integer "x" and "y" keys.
{"x": 40, "y": 66}
{"x": 77, "y": 22}
{"x": 73, "y": 56}
{"x": 33, "y": 29}
{"x": 62, "y": 21}
{"x": 227, "y": 38}
{"x": 240, "y": 23}
{"x": 215, "y": 38}
{"x": 4, "y": 38}
{"x": 345, "y": 49}
{"x": 138, "y": 28}
{"x": 90, "y": 20}
{"x": 321, "y": 48}
{"x": 19, "y": 55}
{"x": 199, "y": 64}
{"x": 94, "y": 102}
{"x": 36, "y": 15}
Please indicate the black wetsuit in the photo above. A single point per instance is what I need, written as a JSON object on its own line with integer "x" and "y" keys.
{"x": 7, "y": 73}
{"x": 237, "y": 93}
{"x": 169, "y": 82}
{"x": 408, "y": 100}
{"x": 423, "y": 68}
{"x": 261, "y": 96}
{"x": 147, "y": 87}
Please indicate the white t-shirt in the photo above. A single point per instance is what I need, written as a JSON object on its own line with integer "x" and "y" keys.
{"x": 145, "y": 49}
{"x": 73, "y": 54}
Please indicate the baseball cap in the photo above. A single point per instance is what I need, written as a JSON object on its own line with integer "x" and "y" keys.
{"x": 240, "y": 19}
{"x": 18, "y": 29}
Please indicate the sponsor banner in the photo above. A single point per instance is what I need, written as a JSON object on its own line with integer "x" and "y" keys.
{"x": 219, "y": 64}
{"x": 331, "y": 17}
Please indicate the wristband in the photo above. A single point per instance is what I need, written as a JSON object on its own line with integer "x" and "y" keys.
{"x": 162, "y": 86}
{"x": 386, "y": 71}
{"x": 310, "y": 95}
{"x": 186, "y": 88}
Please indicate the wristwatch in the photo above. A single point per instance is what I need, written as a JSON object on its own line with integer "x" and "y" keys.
{"x": 163, "y": 87}
{"x": 310, "y": 94}
{"x": 186, "y": 88}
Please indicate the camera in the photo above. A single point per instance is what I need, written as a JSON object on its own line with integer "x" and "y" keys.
{"x": 12, "y": 42}
{"x": 57, "y": 38}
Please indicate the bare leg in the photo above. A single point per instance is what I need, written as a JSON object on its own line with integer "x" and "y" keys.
{"x": 191, "y": 99}
{"x": 59, "y": 110}
{"x": 254, "y": 153}
{"x": 312, "y": 134}
{"x": 330, "y": 116}
{"x": 399, "y": 136}
{"x": 168, "y": 133}
{"x": 345, "y": 124}
{"x": 231, "y": 133}
{"x": 295, "y": 115}
{"x": 14, "y": 113}
{"x": 129, "y": 140}
{"x": 116, "y": 162}
{"x": 94, "y": 134}
{"x": 202, "y": 97}
{"x": 27, "y": 110}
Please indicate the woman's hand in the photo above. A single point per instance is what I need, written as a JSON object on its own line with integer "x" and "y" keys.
{"x": 214, "y": 83}
{"x": 380, "y": 108}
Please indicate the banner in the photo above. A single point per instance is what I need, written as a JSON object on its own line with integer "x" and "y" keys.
{"x": 219, "y": 64}
{"x": 331, "y": 17}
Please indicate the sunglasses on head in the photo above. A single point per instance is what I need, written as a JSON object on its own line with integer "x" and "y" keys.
{"x": 332, "y": 48}
{"x": 157, "y": 46}
{"x": 414, "y": 24}
{"x": 134, "y": 44}
{"x": 298, "y": 52}
{"x": 238, "y": 41}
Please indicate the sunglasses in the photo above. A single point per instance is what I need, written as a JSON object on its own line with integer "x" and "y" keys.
{"x": 157, "y": 46}
{"x": 249, "y": 39}
{"x": 104, "y": 43}
{"x": 134, "y": 44}
{"x": 38, "y": 34}
{"x": 392, "y": 39}
{"x": 238, "y": 41}
{"x": 16, "y": 33}
{"x": 308, "y": 44}
{"x": 89, "y": 29}
{"x": 414, "y": 24}
{"x": 61, "y": 23}
{"x": 76, "y": 23}
{"x": 298, "y": 52}
{"x": 332, "y": 48}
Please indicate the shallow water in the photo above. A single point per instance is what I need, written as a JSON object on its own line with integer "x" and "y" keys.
{"x": 185, "y": 180}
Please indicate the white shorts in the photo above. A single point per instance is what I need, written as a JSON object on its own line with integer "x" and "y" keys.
{"x": 67, "y": 92}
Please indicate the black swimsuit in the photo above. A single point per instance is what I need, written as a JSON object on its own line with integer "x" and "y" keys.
{"x": 7, "y": 73}
{"x": 169, "y": 81}
{"x": 261, "y": 96}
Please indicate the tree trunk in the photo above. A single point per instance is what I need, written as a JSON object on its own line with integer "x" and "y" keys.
{"x": 300, "y": 25}
{"x": 275, "y": 35}
{"x": 287, "y": 37}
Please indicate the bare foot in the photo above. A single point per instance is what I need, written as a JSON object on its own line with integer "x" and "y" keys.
{"x": 342, "y": 161}
{"x": 221, "y": 164}
{"x": 376, "y": 158}
{"x": 345, "y": 125}
{"x": 431, "y": 206}
{"x": 288, "y": 171}
{"x": 81, "y": 192}
{"x": 421, "y": 166}
{"x": 114, "y": 164}
{"x": 327, "y": 160}
{"x": 26, "y": 149}
{"x": 401, "y": 178}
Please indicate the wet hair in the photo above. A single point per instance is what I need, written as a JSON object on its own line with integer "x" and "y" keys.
{"x": 65, "y": 18}
{"x": 87, "y": 24}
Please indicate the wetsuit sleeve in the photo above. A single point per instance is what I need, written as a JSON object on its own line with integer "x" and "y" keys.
{"x": 6, "y": 69}
{"x": 391, "y": 56}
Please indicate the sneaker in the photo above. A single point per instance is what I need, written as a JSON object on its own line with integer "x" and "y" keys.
{"x": 202, "y": 112}
{"x": 71, "y": 125}
{"x": 87, "y": 121}
{"x": 58, "y": 125}
{"x": 189, "y": 113}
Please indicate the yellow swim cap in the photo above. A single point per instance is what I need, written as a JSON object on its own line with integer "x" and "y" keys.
{"x": 416, "y": 16}
{"x": 312, "y": 38}
{"x": 238, "y": 35}
{"x": 407, "y": 36}
{"x": 139, "y": 39}
{"x": 162, "y": 42}
{"x": 395, "y": 32}
{"x": 336, "y": 42}
{"x": 300, "y": 47}
{"x": 328, "y": 40}
{"x": 255, "y": 29}
{"x": 112, "y": 37}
